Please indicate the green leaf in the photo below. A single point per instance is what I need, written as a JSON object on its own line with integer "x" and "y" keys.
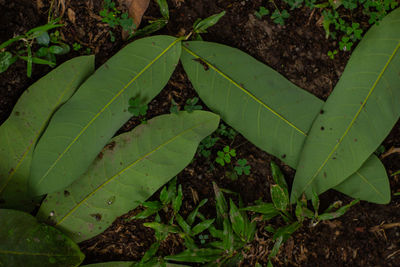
{"x": 286, "y": 231}
{"x": 368, "y": 183}
{"x": 150, "y": 252}
{"x": 37, "y": 60}
{"x": 200, "y": 227}
{"x": 236, "y": 219}
{"x": 80, "y": 129}
{"x": 264, "y": 208}
{"x": 6, "y": 60}
{"x": 257, "y": 101}
{"x": 202, "y": 25}
{"x": 192, "y": 216}
{"x": 159, "y": 227}
{"x": 20, "y": 132}
{"x": 24, "y": 240}
{"x": 221, "y": 205}
{"x": 10, "y": 41}
{"x": 132, "y": 167}
{"x": 163, "y": 8}
{"x": 37, "y": 31}
{"x": 183, "y": 224}
{"x": 201, "y": 255}
{"x": 279, "y": 197}
{"x": 352, "y": 125}
{"x": 55, "y": 49}
{"x": 43, "y": 39}
{"x": 338, "y": 213}
{"x": 254, "y": 122}
{"x": 177, "y": 201}
{"x": 278, "y": 176}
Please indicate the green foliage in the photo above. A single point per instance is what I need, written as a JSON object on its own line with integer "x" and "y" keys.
{"x": 261, "y": 12}
{"x": 332, "y": 54}
{"x": 76, "y": 46}
{"x": 201, "y": 25}
{"x": 27, "y": 122}
{"x": 155, "y": 25}
{"x": 81, "y": 141}
{"x": 226, "y": 131}
{"x": 278, "y": 16}
{"x": 262, "y": 115}
{"x": 25, "y": 240}
{"x": 231, "y": 232}
{"x": 50, "y": 45}
{"x": 114, "y": 18}
{"x": 206, "y": 144}
{"x": 191, "y": 105}
{"x": 225, "y": 155}
{"x": 242, "y": 167}
{"x": 136, "y": 107}
{"x": 141, "y": 160}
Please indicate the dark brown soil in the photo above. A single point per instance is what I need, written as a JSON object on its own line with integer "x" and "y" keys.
{"x": 297, "y": 50}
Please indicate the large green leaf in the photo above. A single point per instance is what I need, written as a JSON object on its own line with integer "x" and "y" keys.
{"x": 29, "y": 118}
{"x": 358, "y": 115}
{"x": 80, "y": 129}
{"x": 25, "y": 242}
{"x": 251, "y": 97}
{"x": 216, "y": 55}
{"x": 129, "y": 169}
{"x": 369, "y": 183}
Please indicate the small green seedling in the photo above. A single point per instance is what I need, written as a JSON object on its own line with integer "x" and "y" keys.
{"x": 76, "y": 46}
{"x": 206, "y": 144}
{"x": 242, "y": 167}
{"x": 113, "y": 17}
{"x": 262, "y": 11}
{"x": 331, "y": 54}
{"x": 225, "y": 155}
{"x": 281, "y": 206}
{"x": 155, "y": 25}
{"x": 49, "y": 46}
{"x": 223, "y": 130}
{"x": 136, "y": 108}
{"x": 191, "y": 105}
{"x": 201, "y": 25}
{"x": 174, "y": 107}
{"x": 279, "y": 16}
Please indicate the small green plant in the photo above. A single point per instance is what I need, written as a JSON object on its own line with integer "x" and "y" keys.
{"x": 136, "y": 108}
{"x": 278, "y": 16}
{"x": 331, "y": 54}
{"x": 226, "y": 131}
{"x": 174, "y": 107}
{"x": 206, "y": 144}
{"x": 201, "y": 25}
{"x": 114, "y": 18}
{"x": 232, "y": 231}
{"x": 50, "y": 45}
{"x": 262, "y": 11}
{"x": 76, "y": 46}
{"x": 281, "y": 206}
{"x": 225, "y": 155}
{"x": 191, "y": 105}
{"x": 242, "y": 167}
{"x": 155, "y": 25}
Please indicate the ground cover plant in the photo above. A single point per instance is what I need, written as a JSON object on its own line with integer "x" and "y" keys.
{"x": 103, "y": 190}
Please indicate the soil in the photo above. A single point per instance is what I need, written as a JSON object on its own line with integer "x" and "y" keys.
{"x": 364, "y": 236}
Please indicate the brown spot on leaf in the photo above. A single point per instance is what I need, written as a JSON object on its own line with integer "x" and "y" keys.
{"x": 11, "y": 171}
{"x": 66, "y": 193}
{"x": 204, "y": 64}
{"x": 96, "y": 216}
{"x": 322, "y": 128}
{"x": 355, "y": 140}
{"x": 111, "y": 145}
{"x": 321, "y": 111}
{"x": 284, "y": 156}
{"x": 325, "y": 175}
{"x": 16, "y": 113}
{"x": 100, "y": 156}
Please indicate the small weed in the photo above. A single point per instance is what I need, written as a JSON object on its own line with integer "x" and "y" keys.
{"x": 191, "y": 105}
{"x": 242, "y": 167}
{"x": 225, "y": 155}
{"x": 50, "y": 45}
{"x": 201, "y": 25}
{"x": 113, "y": 17}
{"x": 174, "y": 107}
{"x": 229, "y": 132}
{"x": 136, "y": 108}
{"x": 331, "y": 54}
{"x": 206, "y": 144}
{"x": 76, "y": 46}
{"x": 262, "y": 11}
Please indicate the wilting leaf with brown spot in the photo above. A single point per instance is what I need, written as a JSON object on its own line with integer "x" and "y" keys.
{"x": 136, "y": 9}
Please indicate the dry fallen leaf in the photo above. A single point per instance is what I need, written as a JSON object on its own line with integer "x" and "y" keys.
{"x": 136, "y": 9}
{"x": 71, "y": 15}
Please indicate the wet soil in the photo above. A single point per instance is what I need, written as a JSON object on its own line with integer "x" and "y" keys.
{"x": 298, "y": 50}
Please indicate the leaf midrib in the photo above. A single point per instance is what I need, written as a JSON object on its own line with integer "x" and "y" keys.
{"x": 354, "y": 119}
{"x": 127, "y": 168}
{"x": 221, "y": 73}
{"x": 106, "y": 106}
